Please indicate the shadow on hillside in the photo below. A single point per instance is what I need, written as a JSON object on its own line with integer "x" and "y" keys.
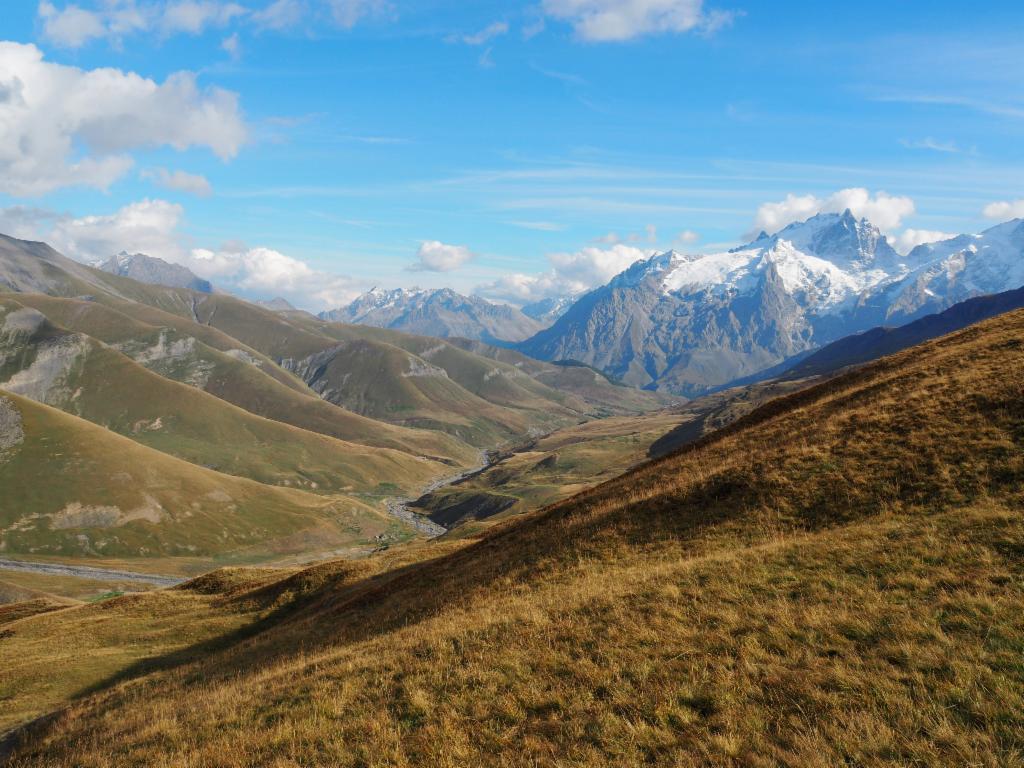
{"x": 349, "y": 607}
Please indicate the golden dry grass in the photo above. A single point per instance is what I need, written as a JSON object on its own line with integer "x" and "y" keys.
{"x": 836, "y": 579}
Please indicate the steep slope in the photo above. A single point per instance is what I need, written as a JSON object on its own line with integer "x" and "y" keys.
{"x": 688, "y": 324}
{"x": 442, "y": 313}
{"x": 881, "y": 341}
{"x": 833, "y": 580}
{"x": 77, "y": 374}
{"x": 149, "y": 269}
{"x": 235, "y": 376}
{"x": 82, "y": 490}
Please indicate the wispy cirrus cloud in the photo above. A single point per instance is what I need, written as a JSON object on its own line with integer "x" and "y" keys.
{"x": 621, "y": 20}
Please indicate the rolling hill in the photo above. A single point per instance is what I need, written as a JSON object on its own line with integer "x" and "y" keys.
{"x": 833, "y": 579}
{"x": 82, "y": 490}
{"x": 88, "y": 379}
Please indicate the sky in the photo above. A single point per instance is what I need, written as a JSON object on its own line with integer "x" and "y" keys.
{"x": 313, "y": 149}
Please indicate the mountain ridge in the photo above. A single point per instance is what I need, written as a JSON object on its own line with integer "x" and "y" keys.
{"x": 692, "y": 323}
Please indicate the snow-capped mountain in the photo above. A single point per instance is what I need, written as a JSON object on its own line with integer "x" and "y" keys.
{"x": 547, "y": 311}
{"x": 953, "y": 270}
{"x": 443, "y": 313}
{"x": 150, "y": 269}
{"x": 689, "y": 323}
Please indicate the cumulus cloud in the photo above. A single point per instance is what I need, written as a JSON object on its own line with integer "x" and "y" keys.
{"x": 49, "y": 113}
{"x": 618, "y": 20}
{"x": 435, "y": 256}
{"x": 262, "y": 271}
{"x": 883, "y": 210}
{"x": 570, "y": 273}
{"x": 153, "y": 227}
{"x": 192, "y": 183}
{"x": 1005, "y": 209}
{"x": 909, "y": 239}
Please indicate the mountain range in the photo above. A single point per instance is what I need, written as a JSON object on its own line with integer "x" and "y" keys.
{"x": 688, "y": 324}
{"x": 150, "y": 269}
{"x": 442, "y": 313}
{"x": 249, "y": 433}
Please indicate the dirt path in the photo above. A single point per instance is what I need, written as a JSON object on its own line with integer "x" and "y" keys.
{"x": 86, "y": 572}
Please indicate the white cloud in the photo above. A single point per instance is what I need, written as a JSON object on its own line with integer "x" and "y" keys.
{"x": 51, "y": 113}
{"x": 539, "y": 226}
{"x": 435, "y": 256}
{"x": 883, "y": 210}
{"x": 146, "y": 226}
{"x": 617, "y": 20}
{"x": 194, "y": 16}
{"x": 489, "y": 32}
{"x": 909, "y": 239}
{"x": 949, "y": 147}
{"x": 232, "y": 45}
{"x": 71, "y": 27}
{"x": 347, "y": 13}
{"x": 686, "y": 237}
{"x": 570, "y": 273}
{"x": 1005, "y": 209}
{"x": 153, "y": 227}
{"x": 280, "y": 14}
{"x": 193, "y": 184}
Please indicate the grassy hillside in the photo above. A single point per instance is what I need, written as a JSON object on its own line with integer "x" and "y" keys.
{"x": 82, "y": 490}
{"x": 81, "y": 376}
{"x": 240, "y": 379}
{"x": 550, "y": 469}
{"x": 835, "y": 579}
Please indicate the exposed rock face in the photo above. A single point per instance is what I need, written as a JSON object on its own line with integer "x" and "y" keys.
{"x": 442, "y": 313}
{"x": 687, "y": 324}
{"x": 149, "y": 269}
{"x": 12, "y": 434}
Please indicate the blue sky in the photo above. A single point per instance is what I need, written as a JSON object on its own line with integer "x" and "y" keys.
{"x": 320, "y": 147}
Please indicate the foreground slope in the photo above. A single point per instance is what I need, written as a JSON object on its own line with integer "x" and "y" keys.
{"x": 82, "y": 490}
{"x": 834, "y": 579}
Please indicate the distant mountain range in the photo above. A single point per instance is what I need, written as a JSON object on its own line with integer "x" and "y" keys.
{"x": 442, "y": 313}
{"x": 688, "y": 324}
{"x": 150, "y": 269}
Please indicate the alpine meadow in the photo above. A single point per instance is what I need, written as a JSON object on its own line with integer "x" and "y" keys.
{"x": 550, "y": 383}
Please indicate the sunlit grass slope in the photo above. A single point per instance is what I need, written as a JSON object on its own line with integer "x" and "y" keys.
{"x": 72, "y": 488}
{"x": 236, "y": 376}
{"x": 82, "y": 376}
{"x": 836, "y": 579}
